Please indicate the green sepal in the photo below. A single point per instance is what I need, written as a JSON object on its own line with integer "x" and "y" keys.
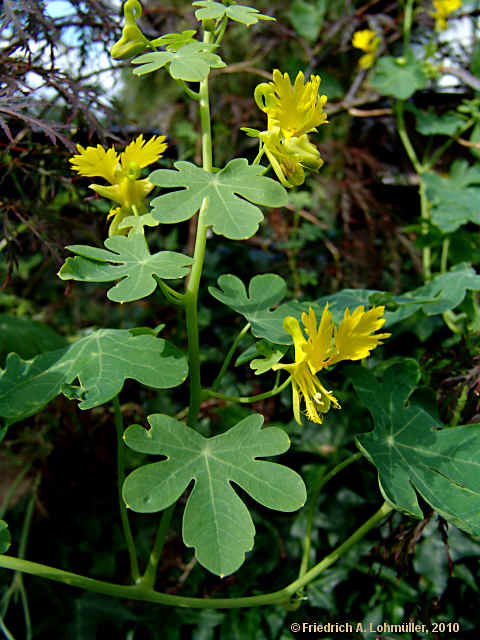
{"x": 216, "y": 522}
{"x": 127, "y": 259}
{"x": 262, "y": 356}
{"x": 228, "y": 214}
{"x": 413, "y": 452}
{"x": 101, "y": 362}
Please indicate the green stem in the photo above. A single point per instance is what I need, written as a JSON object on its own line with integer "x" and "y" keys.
{"x": 191, "y": 316}
{"x": 229, "y": 356}
{"x": 425, "y": 216}
{"x": 407, "y": 24}
{"x": 420, "y": 169}
{"x": 191, "y": 94}
{"x": 259, "y": 156}
{"x": 3, "y": 628}
{"x": 321, "y": 482}
{"x": 139, "y": 592}
{"x": 221, "y": 30}
{"x": 249, "y": 399}
{"x": 191, "y": 293}
{"x": 148, "y": 579}
{"x": 331, "y": 558}
{"x": 127, "y": 532}
{"x": 444, "y": 258}
{"x": 402, "y": 132}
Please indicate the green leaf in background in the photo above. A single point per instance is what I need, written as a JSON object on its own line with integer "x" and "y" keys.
{"x": 339, "y": 301}
{"x": 5, "y": 538}
{"x": 307, "y": 17}
{"x": 399, "y": 77}
{"x": 192, "y": 62}
{"x": 455, "y": 200}
{"x": 101, "y": 361}
{"x": 128, "y": 259}
{"x": 446, "y": 291}
{"x": 447, "y": 124}
{"x": 26, "y": 337}
{"x": 216, "y": 521}
{"x": 228, "y": 214}
{"x": 413, "y": 453}
{"x": 216, "y": 10}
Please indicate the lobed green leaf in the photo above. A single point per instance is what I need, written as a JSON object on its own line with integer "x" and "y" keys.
{"x": 101, "y": 362}
{"x": 228, "y": 214}
{"x": 216, "y": 522}
{"x": 211, "y": 10}
{"x": 191, "y": 62}
{"x": 127, "y": 259}
{"x": 454, "y": 200}
{"x": 412, "y": 451}
{"x": 399, "y": 77}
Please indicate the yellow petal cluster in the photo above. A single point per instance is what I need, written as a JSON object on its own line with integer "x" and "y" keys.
{"x": 293, "y": 111}
{"x": 443, "y": 8}
{"x": 122, "y": 171}
{"x": 325, "y": 345}
{"x": 368, "y": 41}
{"x": 297, "y": 108}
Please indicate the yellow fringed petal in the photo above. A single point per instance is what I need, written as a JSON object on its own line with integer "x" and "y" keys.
{"x": 353, "y": 338}
{"x": 141, "y": 153}
{"x": 96, "y": 161}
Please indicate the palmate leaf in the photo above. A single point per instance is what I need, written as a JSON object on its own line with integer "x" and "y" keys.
{"x": 216, "y": 522}
{"x": 446, "y": 291}
{"x": 446, "y": 124}
{"x": 192, "y": 62}
{"x": 228, "y": 214}
{"x": 455, "y": 200}
{"x": 413, "y": 453}
{"x": 264, "y": 292}
{"x": 216, "y": 10}
{"x": 399, "y": 77}
{"x": 128, "y": 260}
{"x": 101, "y": 361}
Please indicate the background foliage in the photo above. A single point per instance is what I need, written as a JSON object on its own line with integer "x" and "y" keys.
{"x": 352, "y": 226}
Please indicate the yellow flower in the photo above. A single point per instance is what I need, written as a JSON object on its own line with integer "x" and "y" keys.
{"x": 368, "y": 41}
{"x": 289, "y": 156}
{"x": 442, "y": 10}
{"x": 293, "y": 112}
{"x": 122, "y": 171}
{"x": 296, "y": 109}
{"x": 327, "y": 344}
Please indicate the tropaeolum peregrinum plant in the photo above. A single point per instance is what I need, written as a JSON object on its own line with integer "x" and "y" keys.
{"x": 408, "y": 445}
